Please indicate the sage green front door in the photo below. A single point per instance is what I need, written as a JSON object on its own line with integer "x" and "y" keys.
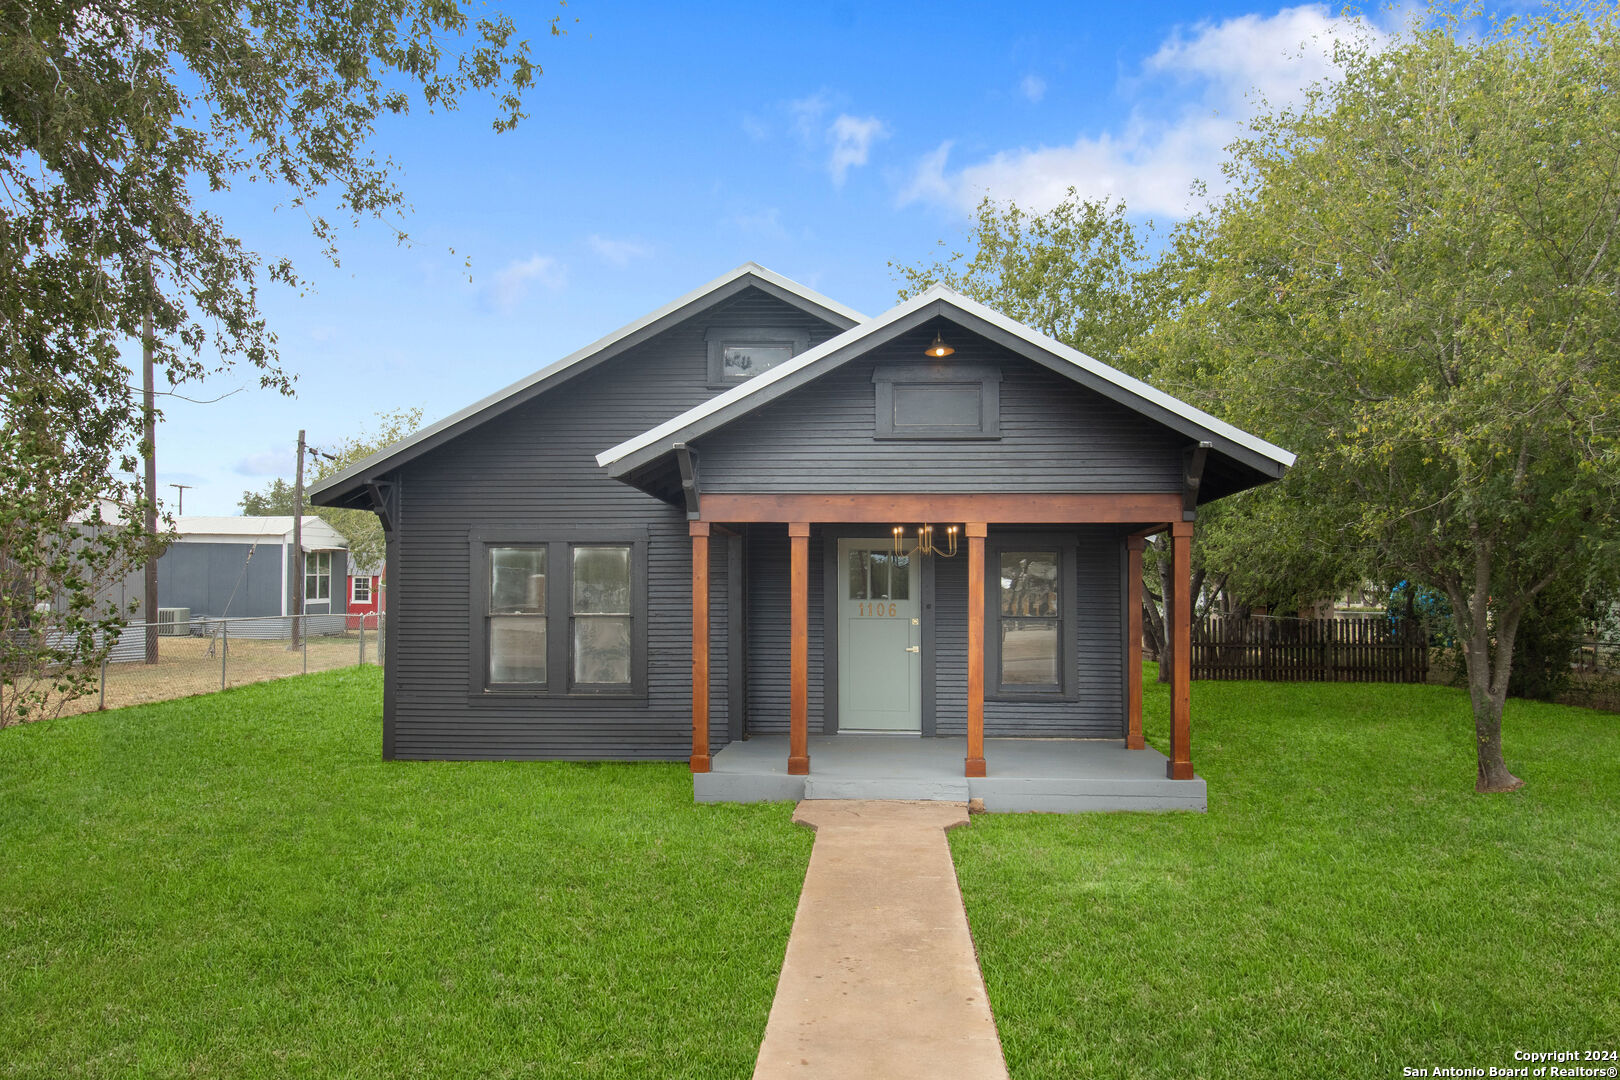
{"x": 879, "y": 639}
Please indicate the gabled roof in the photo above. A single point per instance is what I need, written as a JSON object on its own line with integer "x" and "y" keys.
{"x": 648, "y": 447}
{"x": 341, "y": 487}
{"x": 317, "y": 535}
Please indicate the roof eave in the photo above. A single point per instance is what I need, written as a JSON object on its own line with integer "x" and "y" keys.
{"x": 643, "y": 449}
{"x": 341, "y": 488}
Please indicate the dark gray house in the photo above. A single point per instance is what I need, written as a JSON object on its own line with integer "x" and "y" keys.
{"x": 761, "y": 532}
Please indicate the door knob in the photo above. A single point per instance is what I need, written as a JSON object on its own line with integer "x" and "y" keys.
{"x": 914, "y": 648}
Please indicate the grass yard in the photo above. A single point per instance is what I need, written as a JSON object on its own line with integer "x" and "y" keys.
{"x": 1348, "y": 906}
{"x": 235, "y": 886}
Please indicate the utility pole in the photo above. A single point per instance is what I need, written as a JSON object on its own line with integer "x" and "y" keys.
{"x": 182, "y": 488}
{"x": 149, "y": 410}
{"x": 298, "y": 542}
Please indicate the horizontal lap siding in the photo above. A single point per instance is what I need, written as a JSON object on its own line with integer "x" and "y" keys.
{"x": 769, "y": 645}
{"x": 534, "y": 467}
{"x": 1057, "y": 436}
{"x": 1099, "y": 710}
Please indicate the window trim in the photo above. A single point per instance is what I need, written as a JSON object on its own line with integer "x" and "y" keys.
{"x": 886, "y": 377}
{"x": 1066, "y": 545}
{"x": 559, "y": 688}
{"x": 717, "y": 338}
{"x": 318, "y": 576}
{"x": 354, "y": 583}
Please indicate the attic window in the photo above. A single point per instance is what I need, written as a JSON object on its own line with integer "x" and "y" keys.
{"x": 938, "y": 401}
{"x": 737, "y": 353}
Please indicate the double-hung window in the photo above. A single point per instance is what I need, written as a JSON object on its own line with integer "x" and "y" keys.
{"x": 563, "y": 618}
{"x": 317, "y": 575}
{"x": 1031, "y": 604}
{"x": 360, "y": 590}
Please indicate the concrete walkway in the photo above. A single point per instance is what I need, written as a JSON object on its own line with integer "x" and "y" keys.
{"x": 880, "y": 978}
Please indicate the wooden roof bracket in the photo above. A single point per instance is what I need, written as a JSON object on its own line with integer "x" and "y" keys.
{"x": 1192, "y": 478}
{"x": 687, "y": 458}
{"x": 384, "y": 502}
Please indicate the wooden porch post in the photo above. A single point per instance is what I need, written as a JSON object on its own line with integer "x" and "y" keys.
{"x": 799, "y": 631}
{"x": 974, "y": 765}
{"x": 1133, "y": 643}
{"x": 1179, "y": 766}
{"x": 700, "y": 646}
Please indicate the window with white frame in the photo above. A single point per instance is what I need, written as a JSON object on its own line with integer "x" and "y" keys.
{"x": 317, "y": 575}
{"x": 360, "y": 590}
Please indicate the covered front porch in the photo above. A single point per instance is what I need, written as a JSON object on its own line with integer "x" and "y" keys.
{"x": 1026, "y": 772}
{"x": 1051, "y": 775}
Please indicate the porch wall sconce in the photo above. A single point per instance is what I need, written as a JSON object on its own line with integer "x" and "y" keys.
{"x": 924, "y": 545}
{"x": 938, "y": 349}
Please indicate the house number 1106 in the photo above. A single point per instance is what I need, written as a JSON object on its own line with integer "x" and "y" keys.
{"x": 880, "y": 609}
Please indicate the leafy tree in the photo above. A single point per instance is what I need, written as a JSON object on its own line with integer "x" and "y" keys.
{"x": 1083, "y": 273}
{"x": 360, "y": 528}
{"x": 1077, "y": 273}
{"x": 276, "y": 499}
{"x": 116, "y": 116}
{"x": 1413, "y": 284}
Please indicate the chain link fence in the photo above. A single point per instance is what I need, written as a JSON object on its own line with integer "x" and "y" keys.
{"x": 204, "y": 654}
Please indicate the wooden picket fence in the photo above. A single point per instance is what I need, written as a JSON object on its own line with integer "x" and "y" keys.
{"x": 1370, "y": 649}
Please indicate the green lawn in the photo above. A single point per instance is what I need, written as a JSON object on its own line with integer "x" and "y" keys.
{"x": 235, "y": 886}
{"x": 1347, "y": 907}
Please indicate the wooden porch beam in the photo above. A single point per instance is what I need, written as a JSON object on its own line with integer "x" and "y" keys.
{"x": 700, "y": 646}
{"x": 799, "y": 651}
{"x": 1133, "y": 643}
{"x": 1031, "y": 509}
{"x": 974, "y": 765}
{"x": 1179, "y": 767}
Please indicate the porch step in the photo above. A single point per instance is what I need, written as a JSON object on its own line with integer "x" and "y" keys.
{"x": 916, "y": 788}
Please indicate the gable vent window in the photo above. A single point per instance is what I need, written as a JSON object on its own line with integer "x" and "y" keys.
{"x": 938, "y": 401}
{"x": 737, "y": 353}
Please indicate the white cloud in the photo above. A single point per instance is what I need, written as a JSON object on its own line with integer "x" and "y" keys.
{"x": 509, "y": 285}
{"x": 1033, "y": 87}
{"x": 807, "y": 113}
{"x": 618, "y": 252}
{"x": 852, "y": 138}
{"x": 755, "y": 128}
{"x": 847, "y": 138}
{"x": 766, "y": 222}
{"x": 277, "y": 462}
{"x": 1206, "y": 81}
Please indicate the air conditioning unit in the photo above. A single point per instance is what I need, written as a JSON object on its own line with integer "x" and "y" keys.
{"x": 174, "y": 621}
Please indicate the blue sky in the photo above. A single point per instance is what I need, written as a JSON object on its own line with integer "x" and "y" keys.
{"x": 668, "y": 143}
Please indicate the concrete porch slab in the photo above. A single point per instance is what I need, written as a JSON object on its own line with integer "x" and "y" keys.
{"x": 1049, "y": 775}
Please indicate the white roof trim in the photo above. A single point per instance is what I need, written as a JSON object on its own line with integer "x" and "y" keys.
{"x": 940, "y": 292}
{"x": 555, "y": 368}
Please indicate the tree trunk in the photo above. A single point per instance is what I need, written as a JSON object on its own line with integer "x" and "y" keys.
{"x": 1492, "y": 772}
{"x": 1487, "y": 675}
{"x": 1166, "y": 591}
